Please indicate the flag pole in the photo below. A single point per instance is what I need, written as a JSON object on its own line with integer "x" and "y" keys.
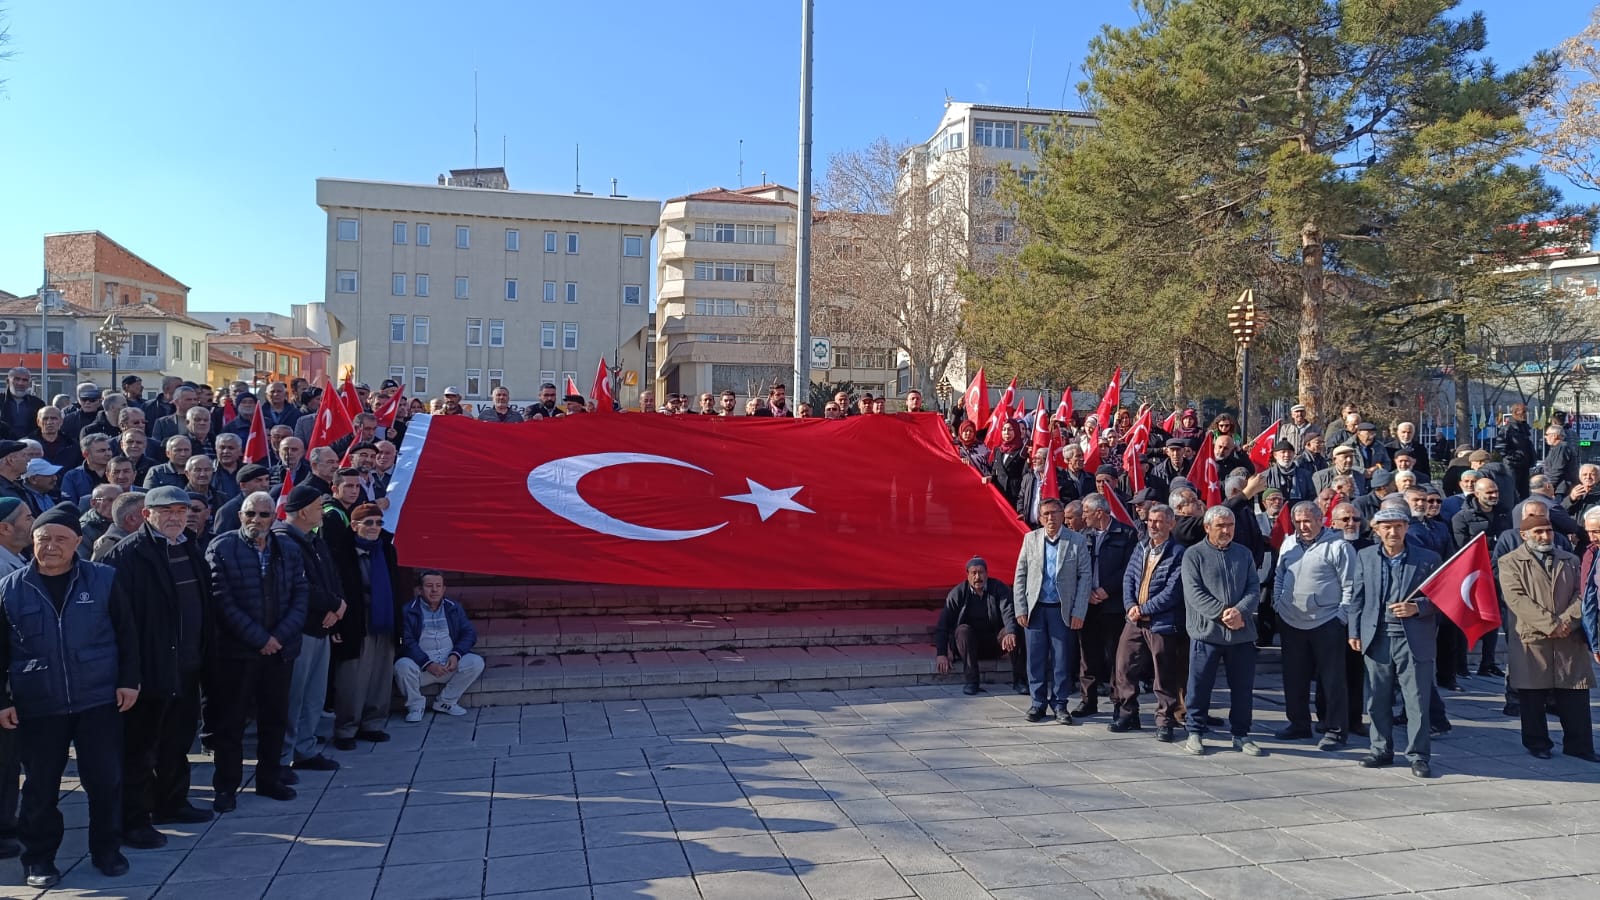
{"x": 1482, "y": 536}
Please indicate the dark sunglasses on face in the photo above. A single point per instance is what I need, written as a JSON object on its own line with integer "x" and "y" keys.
{"x": 371, "y": 523}
{"x": 249, "y": 514}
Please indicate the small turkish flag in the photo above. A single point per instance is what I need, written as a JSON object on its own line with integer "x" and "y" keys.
{"x": 1463, "y": 589}
{"x": 1064, "y": 411}
{"x": 333, "y": 422}
{"x": 1261, "y": 447}
{"x": 348, "y": 395}
{"x": 1009, "y": 397}
{"x": 1171, "y": 422}
{"x": 1041, "y": 427}
{"x": 282, "y": 508}
{"x": 1002, "y": 415}
{"x": 255, "y": 446}
{"x": 1108, "y": 404}
{"x": 572, "y": 388}
{"x": 1118, "y": 510}
{"x": 1138, "y": 439}
{"x": 1282, "y": 527}
{"x": 603, "y": 401}
{"x": 1203, "y": 474}
{"x": 228, "y": 411}
{"x": 975, "y": 400}
{"x": 390, "y": 410}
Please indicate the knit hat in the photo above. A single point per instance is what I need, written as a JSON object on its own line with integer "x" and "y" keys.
{"x": 8, "y": 507}
{"x": 65, "y": 515}
{"x": 978, "y": 561}
{"x": 251, "y": 471}
{"x": 302, "y": 496}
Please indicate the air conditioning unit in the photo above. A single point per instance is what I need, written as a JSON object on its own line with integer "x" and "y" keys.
{"x": 8, "y": 324}
{"x": 8, "y": 340}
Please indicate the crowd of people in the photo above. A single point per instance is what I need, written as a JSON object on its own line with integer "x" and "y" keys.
{"x": 1322, "y": 550}
{"x": 156, "y": 586}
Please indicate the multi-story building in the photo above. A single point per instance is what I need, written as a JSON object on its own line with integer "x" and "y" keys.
{"x": 469, "y": 284}
{"x": 259, "y": 348}
{"x": 725, "y": 298}
{"x": 304, "y": 331}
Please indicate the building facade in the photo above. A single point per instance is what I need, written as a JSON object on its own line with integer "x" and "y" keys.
{"x": 457, "y": 285}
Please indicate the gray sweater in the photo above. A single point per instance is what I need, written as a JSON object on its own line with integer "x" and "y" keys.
{"x": 1213, "y": 581}
{"x": 1314, "y": 581}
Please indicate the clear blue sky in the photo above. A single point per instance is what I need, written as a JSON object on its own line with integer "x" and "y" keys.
{"x": 192, "y": 131}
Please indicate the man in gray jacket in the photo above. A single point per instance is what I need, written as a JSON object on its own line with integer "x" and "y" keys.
{"x": 1221, "y": 591}
{"x": 1051, "y": 592}
{"x": 1316, "y": 576}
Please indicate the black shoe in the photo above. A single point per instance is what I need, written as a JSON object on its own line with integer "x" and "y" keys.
{"x": 1421, "y": 770}
{"x": 10, "y": 847}
{"x": 1164, "y": 734}
{"x": 344, "y": 743}
{"x": 1293, "y": 734}
{"x": 186, "y": 814}
{"x": 278, "y": 791}
{"x": 970, "y": 689}
{"x": 1452, "y": 686}
{"x": 113, "y": 866}
{"x": 286, "y": 775}
{"x": 1360, "y": 728}
{"x": 1121, "y": 725}
{"x": 1374, "y": 761}
{"x": 42, "y": 875}
{"x": 1586, "y": 757}
{"x": 1440, "y": 731}
{"x": 1063, "y": 717}
{"x": 1491, "y": 671}
{"x": 144, "y": 837}
{"x": 1215, "y": 721}
{"x": 1513, "y": 710}
{"x": 226, "y": 802}
{"x": 1463, "y": 672}
{"x": 1020, "y": 688}
{"x": 318, "y": 763}
{"x": 1086, "y": 709}
{"x": 1540, "y": 754}
{"x": 1035, "y": 714}
{"x": 376, "y": 737}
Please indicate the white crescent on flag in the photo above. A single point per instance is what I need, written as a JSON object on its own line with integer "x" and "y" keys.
{"x": 1466, "y": 590}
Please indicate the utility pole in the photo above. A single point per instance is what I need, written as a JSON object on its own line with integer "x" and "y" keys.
{"x": 802, "y": 240}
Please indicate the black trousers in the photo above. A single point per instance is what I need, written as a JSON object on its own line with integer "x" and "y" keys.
{"x": 155, "y": 758}
{"x": 1452, "y": 653}
{"x": 1321, "y": 650}
{"x": 1572, "y": 707}
{"x": 1097, "y": 648}
{"x": 1355, "y": 686}
{"x": 42, "y": 744}
{"x": 236, "y": 684}
{"x": 974, "y": 645}
{"x": 10, "y": 783}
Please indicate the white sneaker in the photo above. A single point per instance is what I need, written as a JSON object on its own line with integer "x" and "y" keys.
{"x": 448, "y": 708}
{"x": 414, "y": 715}
{"x": 1248, "y": 747}
{"x": 1194, "y": 744}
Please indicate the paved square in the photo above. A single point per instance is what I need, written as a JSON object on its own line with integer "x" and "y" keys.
{"x": 895, "y": 792}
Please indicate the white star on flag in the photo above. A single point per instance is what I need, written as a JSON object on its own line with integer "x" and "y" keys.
{"x": 768, "y": 500}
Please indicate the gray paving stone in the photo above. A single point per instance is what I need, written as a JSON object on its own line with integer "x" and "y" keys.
{"x": 638, "y": 862}
{"x": 996, "y": 869}
{"x": 514, "y": 874}
{"x": 432, "y": 881}
{"x": 439, "y": 846}
{"x": 736, "y": 854}
{"x": 1185, "y": 853}
{"x": 864, "y": 880}
{"x": 1166, "y": 887}
{"x": 335, "y": 855}
{"x": 947, "y": 886}
{"x": 340, "y": 883}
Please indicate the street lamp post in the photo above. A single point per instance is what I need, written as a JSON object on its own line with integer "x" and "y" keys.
{"x": 1242, "y": 322}
{"x": 1580, "y": 383}
{"x": 112, "y": 336}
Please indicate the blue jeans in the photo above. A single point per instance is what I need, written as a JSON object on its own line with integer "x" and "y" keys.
{"x": 308, "y": 692}
{"x": 1239, "y": 661}
{"x": 1050, "y": 644}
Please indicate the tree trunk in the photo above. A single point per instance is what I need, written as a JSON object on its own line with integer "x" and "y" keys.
{"x": 1178, "y": 368}
{"x": 1310, "y": 363}
{"x": 1463, "y": 383}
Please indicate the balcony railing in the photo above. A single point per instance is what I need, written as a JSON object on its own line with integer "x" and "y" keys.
{"x": 124, "y": 361}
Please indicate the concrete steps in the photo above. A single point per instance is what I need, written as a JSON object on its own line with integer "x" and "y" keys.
{"x": 549, "y": 635}
{"x": 499, "y": 598}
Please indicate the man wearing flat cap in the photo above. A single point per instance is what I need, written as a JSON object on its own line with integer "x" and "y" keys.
{"x": 981, "y": 621}
{"x": 1343, "y": 463}
{"x": 69, "y": 669}
{"x": 13, "y": 463}
{"x": 1289, "y": 475}
{"x": 1371, "y": 455}
{"x": 308, "y": 689}
{"x": 1392, "y": 626}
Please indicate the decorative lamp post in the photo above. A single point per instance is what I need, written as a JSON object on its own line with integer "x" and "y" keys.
{"x": 943, "y": 390}
{"x": 1243, "y": 323}
{"x": 1580, "y": 383}
{"x": 112, "y": 336}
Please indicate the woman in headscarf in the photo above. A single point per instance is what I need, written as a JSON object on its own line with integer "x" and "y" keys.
{"x": 1188, "y": 426}
{"x": 1010, "y": 461}
{"x": 974, "y": 451}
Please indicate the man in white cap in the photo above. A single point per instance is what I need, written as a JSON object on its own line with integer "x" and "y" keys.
{"x": 452, "y": 402}
{"x": 1298, "y": 428}
{"x": 40, "y": 479}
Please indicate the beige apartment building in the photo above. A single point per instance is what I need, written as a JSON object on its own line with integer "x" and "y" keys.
{"x": 468, "y": 284}
{"x": 725, "y": 299}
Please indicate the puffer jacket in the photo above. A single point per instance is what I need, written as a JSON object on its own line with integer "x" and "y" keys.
{"x": 1163, "y": 613}
{"x": 252, "y": 608}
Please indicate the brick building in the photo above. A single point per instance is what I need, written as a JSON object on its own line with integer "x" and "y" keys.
{"x": 94, "y": 272}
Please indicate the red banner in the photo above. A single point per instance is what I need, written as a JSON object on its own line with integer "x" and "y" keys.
{"x": 698, "y": 502}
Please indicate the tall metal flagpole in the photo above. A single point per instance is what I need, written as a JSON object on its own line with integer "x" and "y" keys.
{"x": 802, "y": 240}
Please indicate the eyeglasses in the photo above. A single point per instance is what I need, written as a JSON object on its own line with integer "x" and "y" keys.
{"x": 371, "y": 523}
{"x": 250, "y": 514}
{"x": 1344, "y": 518}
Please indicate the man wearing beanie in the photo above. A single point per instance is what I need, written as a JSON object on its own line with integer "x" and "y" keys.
{"x": 981, "y": 620}
{"x": 308, "y": 689}
{"x": 69, "y": 662}
{"x": 252, "y": 477}
{"x": 163, "y": 570}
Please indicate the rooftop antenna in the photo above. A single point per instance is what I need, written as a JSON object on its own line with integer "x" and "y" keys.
{"x": 577, "y": 178}
{"x": 502, "y": 150}
{"x": 1027, "y": 88}
{"x": 1065, "y": 83}
{"x": 475, "y": 180}
{"x": 741, "y": 162}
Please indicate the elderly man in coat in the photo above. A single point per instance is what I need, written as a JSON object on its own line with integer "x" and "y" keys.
{"x": 1551, "y": 657}
{"x": 1051, "y": 592}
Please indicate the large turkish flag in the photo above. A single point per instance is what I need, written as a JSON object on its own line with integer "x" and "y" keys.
{"x": 699, "y": 502}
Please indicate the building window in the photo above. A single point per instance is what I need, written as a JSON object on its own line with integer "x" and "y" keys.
{"x": 550, "y": 238}
{"x": 549, "y": 292}
{"x": 398, "y": 373}
{"x": 424, "y": 238}
{"x": 547, "y": 376}
{"x": 177, "y": 349}
{"x": 422, "y": 285}
{"x": 994, "y": 134}
{"x": 729, "y": 233}
{"x": 419, "y": 381}
{"x": 632, "y": 245}
{"x": 1002, "y": 232}
{"x": 572, "y": 292}
{"x": 631, "y": 294}
{"x": 547, "y": 335}
{"x": 841, "y": 357}
{"x": 397, "y": 329}
{"x": 572, "y": 242}
{"x": 463, "y": 237}
{"x": 513, "y": 240}
{"x": 726, "y": 307}
{"x": 474, "y": 332}
{"x": 731, "y": 271}
{"x": 461, "y": 287}
{"x": 419, "y": 329}
{"x": 349, "y": 229}
{"x": 511, "y": 289}
{"x": 194, "y": 350}
{"x": 497, "y": 332}
{"x": 474, "y": 382}
{"x": 344, "y": 281}
{"x": 569, "y": 335}
{"x": 497, "y": 378}
{"x": 145, "y": 344}
{"x": 398, "y": 285}
{"x": 399, "y": 232}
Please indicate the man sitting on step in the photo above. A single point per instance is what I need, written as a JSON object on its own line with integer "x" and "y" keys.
{"x": 979, "y": 615}
{"x": 436, "y": 649}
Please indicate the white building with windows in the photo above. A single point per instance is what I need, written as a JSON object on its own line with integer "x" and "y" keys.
{"x": 469, "y": 284}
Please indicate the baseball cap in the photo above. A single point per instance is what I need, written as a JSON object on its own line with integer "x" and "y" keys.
{"x": 88, "y": 390}
{"x": 41, "y": 467}
{"x": 452, "y": 391}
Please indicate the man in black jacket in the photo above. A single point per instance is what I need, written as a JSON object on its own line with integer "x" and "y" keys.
{"x": 163, "y": 570}
{"x": 1515, "y": 443}
{"x": 259, "y": 581}
{"x": 979, "y": 616}
{"x": 308, "y": 689}
{"x": 1110, "y": 545}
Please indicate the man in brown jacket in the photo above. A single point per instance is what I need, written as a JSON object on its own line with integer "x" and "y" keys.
{"x": 1550, "y": 658}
